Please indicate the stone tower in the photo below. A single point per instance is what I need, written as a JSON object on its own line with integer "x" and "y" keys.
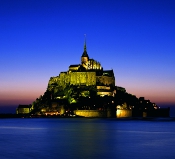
{"x": 84, "y": 57}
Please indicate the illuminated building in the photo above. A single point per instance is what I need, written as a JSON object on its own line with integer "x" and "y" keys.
{"x": 86, "y": 89}
{"x": 88, "y": 73}
{"x": 24, "y": 109}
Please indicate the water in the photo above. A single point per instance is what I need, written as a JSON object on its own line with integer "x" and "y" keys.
{"x": 86, "y": 138}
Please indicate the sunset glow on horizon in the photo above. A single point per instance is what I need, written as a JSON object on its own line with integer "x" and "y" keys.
{"x": 40, "y": 39}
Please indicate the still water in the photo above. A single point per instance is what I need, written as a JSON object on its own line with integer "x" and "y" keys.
{"x": 86, "y": 139}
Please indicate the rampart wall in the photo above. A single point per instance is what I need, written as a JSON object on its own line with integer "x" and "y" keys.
{"x": 122, "y": 113}
{"x": 106, "y": 80}
{"x": 80, "y": 78}
{"x": 91, "y": 113}
{"x": 83, "y": 78}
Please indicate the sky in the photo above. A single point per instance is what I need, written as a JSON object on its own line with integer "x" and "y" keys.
{"x": 41, "y": 38}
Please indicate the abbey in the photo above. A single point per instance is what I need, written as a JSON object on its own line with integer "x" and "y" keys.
{"x": 88, "y": 73}
{"x": 87, "y": 90}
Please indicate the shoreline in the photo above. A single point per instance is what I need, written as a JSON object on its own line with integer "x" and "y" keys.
{"x": 13, "y": 116}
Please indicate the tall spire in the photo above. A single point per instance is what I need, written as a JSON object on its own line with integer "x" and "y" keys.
{"x": 84, "y": 42}
{"x": 85, "y": 51}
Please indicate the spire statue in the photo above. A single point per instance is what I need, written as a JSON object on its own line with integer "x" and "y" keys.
{"x": 84, "y": 42}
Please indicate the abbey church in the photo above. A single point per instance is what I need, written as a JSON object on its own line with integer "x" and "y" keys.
{"x": 88, "y": 73}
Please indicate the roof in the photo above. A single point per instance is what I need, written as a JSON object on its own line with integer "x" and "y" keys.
{"x": 73, "y": 65}
{"x": 24, "y": 106}
{"x": 108, "y": 73}
{"x": 85, "y": 52}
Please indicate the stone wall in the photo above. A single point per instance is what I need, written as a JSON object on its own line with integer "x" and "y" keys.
{"x": 64, "y": 79}
{"x": 23, "y": 110}
{"x": 91, "y": 113}
{"x": 80, "y": 78}
{"x": 104, "y": 93}
{"x": 103, "y": 87}
{"x": 83, "y": 78}
{"x": 123, "y": 113}
{"x": 106, "y": 80}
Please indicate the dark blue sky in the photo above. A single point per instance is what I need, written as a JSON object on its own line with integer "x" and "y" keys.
{"x": 41, "y": 38}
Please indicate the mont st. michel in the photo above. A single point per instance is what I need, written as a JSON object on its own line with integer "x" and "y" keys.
{"x": 88, "y": 90}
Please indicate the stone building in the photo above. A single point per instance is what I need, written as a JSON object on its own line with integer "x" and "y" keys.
{"x": 24, "y": 109}
{"x": 88, "y": 73}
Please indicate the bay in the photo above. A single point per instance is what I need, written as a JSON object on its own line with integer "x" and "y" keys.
{"x": 91, "y": 138}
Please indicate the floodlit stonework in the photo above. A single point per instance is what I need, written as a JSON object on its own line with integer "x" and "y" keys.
{"x": 88, "y": 73}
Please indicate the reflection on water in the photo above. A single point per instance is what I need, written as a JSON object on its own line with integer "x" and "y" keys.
{"x": 86, "y": 138}
{"x": 15, "y": 127}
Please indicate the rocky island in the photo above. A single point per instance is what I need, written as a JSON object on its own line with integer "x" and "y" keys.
{"x": 88, "y": 90}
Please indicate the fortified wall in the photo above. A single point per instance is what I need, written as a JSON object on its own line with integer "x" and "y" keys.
{"x": 105, "y": 80}
{"x": 93, "y": 113}
{"x": 83, "y": 78}
{"x": 123, "y": 113}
